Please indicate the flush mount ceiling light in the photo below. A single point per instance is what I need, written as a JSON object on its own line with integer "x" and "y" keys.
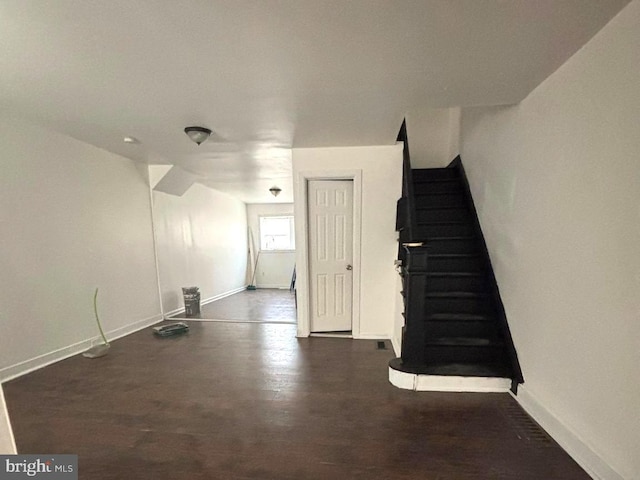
{"x": 275, "y": 191}
{"x": 130, "y": 140}
{"x": 197, "y": 134}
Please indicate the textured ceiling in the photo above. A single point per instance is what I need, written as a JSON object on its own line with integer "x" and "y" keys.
{"x": 270, "y": 75}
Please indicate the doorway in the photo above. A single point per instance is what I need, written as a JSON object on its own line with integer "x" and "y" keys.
{"x": 302, "y": 181}
{"x": 330, "y": 225}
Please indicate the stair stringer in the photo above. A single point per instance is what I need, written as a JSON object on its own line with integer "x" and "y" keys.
{"x": 501, "y": 315}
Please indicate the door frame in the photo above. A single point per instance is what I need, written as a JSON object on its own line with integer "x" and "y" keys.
{"x": 301, "y": 213}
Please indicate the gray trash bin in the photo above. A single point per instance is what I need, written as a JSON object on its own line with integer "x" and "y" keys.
{"x": 191, "y": 301}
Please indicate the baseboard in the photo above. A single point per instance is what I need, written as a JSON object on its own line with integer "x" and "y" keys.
{"x": 7, "y": 440}
{"x": 227, "y": 320}
{"x": 27, "y": 366}
{"x": 578, "y": 449}
{"x": 207, "y": 300}
{"x": 275, "y": 286}
{"x": 133, "y": 327}
{"x": 330, "y": 335}
{"x": 173, "y": 313}
{"x": 397, "y": 347}
{"x": 225, "y": 294}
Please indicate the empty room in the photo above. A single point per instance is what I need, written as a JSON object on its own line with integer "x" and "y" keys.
{"x": 306, "y": 239}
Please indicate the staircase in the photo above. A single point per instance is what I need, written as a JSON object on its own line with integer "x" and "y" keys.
{"x": 455, "y": 324}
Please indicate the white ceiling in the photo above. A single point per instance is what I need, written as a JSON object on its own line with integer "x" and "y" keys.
{"x": 269, "y": 75}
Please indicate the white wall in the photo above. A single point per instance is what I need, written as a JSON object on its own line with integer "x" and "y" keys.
{"x": 274, "y": 269}
{"x": 434, "y": 136}
{"x": 396, "y": 338}
{"x": 72, "y": 218}
{"x": 556, "y": 181}
{"x": 7, "y": 442}
{"x": 202, "y": 241}
{"x": 380, "y": 168}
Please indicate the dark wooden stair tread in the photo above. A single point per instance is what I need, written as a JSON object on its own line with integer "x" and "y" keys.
{"x": 464, "y": 342}
{"x": 440, "y": 222}
{"x": 455, "y": 369}
{"x": 419, "y": 196}
{"x": 422, "y": 180}
{"x": 437, "y": 170}
{"x": 445, "y": 239}
{"x": 458, "y": 317}
{"x": 455, "y": 274}
{"x": 442, "y": 207}
{"x": 456, "y": 295}
{"x": 444, "y": 222}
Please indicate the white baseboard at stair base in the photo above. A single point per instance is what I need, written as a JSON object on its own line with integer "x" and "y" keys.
{"x": 440, "y": 383}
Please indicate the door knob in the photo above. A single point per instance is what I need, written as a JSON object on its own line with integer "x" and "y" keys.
{"x": 349, "y": 267}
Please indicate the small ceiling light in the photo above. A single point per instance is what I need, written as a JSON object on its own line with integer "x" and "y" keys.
{"x": 130, "y": 140}
{"x": 275, "y": 191}
{"x": 198, "y": 134}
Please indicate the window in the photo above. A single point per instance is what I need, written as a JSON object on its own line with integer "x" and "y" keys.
{"x": 276, "y": 233}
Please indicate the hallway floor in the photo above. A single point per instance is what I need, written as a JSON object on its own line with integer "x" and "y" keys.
{"x": 263, "y": 305}
{"x": 250, "y": 401}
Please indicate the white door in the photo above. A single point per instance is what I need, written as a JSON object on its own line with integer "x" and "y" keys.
{"x": 331, "y": 254}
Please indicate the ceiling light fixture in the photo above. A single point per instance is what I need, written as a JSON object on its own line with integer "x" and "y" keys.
{"x": 197, "y": 134}
{"x": 130, "y": 140}
{"x": 275, "y": 191}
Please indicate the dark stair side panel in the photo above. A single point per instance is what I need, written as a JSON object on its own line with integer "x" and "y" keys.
{"x": 456, "y": 262}
{"x": 456, "y": 281}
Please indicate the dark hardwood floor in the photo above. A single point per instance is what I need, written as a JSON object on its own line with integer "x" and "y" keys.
{"x": 250, "y": 401}
{"x": 262, "y": 305}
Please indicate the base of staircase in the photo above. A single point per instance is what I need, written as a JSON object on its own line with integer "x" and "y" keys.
{"x": 408, "y": 379}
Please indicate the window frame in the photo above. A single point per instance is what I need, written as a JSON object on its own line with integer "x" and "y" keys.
{"x": 292, "y": 238}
